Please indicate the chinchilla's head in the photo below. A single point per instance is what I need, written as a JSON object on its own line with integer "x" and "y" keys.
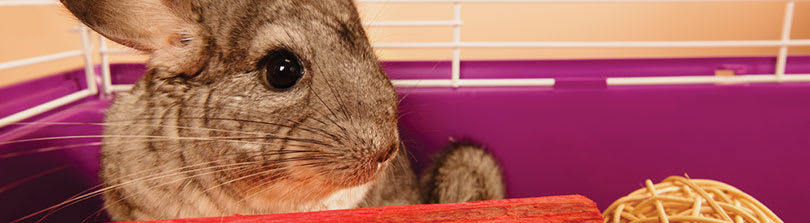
{"x": 291, "y": 84}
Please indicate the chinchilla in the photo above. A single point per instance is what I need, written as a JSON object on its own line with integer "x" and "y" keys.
{"x": 258, "y": 107}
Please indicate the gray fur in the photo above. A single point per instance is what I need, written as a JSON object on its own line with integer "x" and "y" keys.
{"x": 200, "y": 135}
{"x": 464, "y": 172}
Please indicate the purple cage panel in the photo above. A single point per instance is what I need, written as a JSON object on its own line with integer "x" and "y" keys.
{"x": 590, "y": 139}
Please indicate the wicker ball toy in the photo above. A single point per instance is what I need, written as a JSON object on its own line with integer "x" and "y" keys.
{"x": 678, "y": 199}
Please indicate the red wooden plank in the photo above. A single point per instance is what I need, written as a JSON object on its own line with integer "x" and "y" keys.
{"x": 554, "y": 209}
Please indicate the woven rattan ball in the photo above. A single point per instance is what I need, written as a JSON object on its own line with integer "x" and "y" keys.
{"x": 678, "y": 199}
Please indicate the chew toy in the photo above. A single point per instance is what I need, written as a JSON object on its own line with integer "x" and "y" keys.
{"x": 678, "y": 199}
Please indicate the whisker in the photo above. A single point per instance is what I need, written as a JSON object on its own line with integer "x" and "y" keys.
{"x": 93, "y": 194}
{"x": 263, "y": 190}
{"x": 107, "y": 205}
{"x": 82, "y": 196}
{"x": 154, "y": 136}
{"x": 149, "y": 139}
{"x": 88, "y": 136}
{"x": 238, "y": 179}
{"x": 339, "y": 98}
{"x": 179, "y": 209}
{"x": 252, "y": 121}
{"x": 239, "y": 110}
{"x": 143, "y": 125}
{"x": 345, "y": 131}
{"x": 310, "y": 158}
{"x": 210, "y": 188}
{"x": 316, "y": 164}
{"x": 17, "y": 183}
{"x": 402, "y": 146}
{"x": 250, "y": 195}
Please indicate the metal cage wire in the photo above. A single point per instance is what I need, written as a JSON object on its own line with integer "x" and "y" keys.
{"x": 104, "y": 87}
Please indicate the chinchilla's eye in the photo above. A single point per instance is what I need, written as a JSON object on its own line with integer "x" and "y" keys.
{"x": 283, "y": 69}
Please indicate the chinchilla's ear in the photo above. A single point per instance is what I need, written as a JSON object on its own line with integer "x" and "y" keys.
{"x": 162, "y": 28}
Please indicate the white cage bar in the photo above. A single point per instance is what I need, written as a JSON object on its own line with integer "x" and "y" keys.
{"x": 27, "y": 2}
{"x": 455, "y": 80}
{"x": 562, "y": 1}
{"x": 787, "y": 25}
{"x": 106, "y": 77}
{"x": 599, "y": 44}
{"x": 457, "y": 45}
{"x": 39, "y": 59}
{"x": 90, "y": 76}
{"x": 424, "y": 23}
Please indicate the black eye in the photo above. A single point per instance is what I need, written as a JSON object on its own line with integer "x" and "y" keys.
{"x": 282, "y": 69}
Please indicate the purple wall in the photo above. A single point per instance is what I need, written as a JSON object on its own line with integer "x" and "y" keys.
{"x": 602, "y": 142}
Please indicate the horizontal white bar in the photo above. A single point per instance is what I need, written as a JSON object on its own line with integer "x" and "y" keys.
{"x": 422, "y": 83}
{"x": 47, "y": 106}
{"x": 474, "y": 82}
{"x": 765, "y": 78}
{"x": 120, "y": 87}
{"x": 39, "y": 59}
{"x": 53, "y": 2}
{"x": 610, "y": 81}
{"x": 707, "y": 79}
{"x": 27, "y": 2}
{"x": 557, "y": 1}
{"x": 598, "y": 44}
{"x": 414, "y": 23}
{"x": 580, "y": 44}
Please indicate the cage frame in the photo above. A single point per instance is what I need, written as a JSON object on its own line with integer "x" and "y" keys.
{"x": 101, "y": 85}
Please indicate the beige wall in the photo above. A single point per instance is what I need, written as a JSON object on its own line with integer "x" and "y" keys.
{"x": 34, "y": 31}
{"x": 31, "y": 31}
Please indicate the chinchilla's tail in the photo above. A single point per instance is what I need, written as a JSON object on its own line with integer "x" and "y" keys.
{"x": 463, "y": 172}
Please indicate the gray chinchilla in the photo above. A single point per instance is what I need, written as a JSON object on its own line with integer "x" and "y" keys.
{"x": 258, "y": 107}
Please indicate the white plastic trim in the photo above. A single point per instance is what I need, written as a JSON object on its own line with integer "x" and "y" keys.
{"x": 121, "y": 87}
{"x": 612, "y": 81}
{"x": 598, "y": 44}
{"x": 474, "y": 82}
{"x": 39, "y": 109}
{"x": 455, "y": 72}
{"x": 27, "y": 2}
{"x": 456, "y": 45}
{"x": 766, "y": 78}
{"x": 559, "y": 1}
{"x": 39, "y": 59}
{"x": 583, "y": 44}
{"x": 89, "y": 69}
{"x": 787, "y": 24}
{"x": 423, "y": 23}
{"x": 106, "y": 77}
